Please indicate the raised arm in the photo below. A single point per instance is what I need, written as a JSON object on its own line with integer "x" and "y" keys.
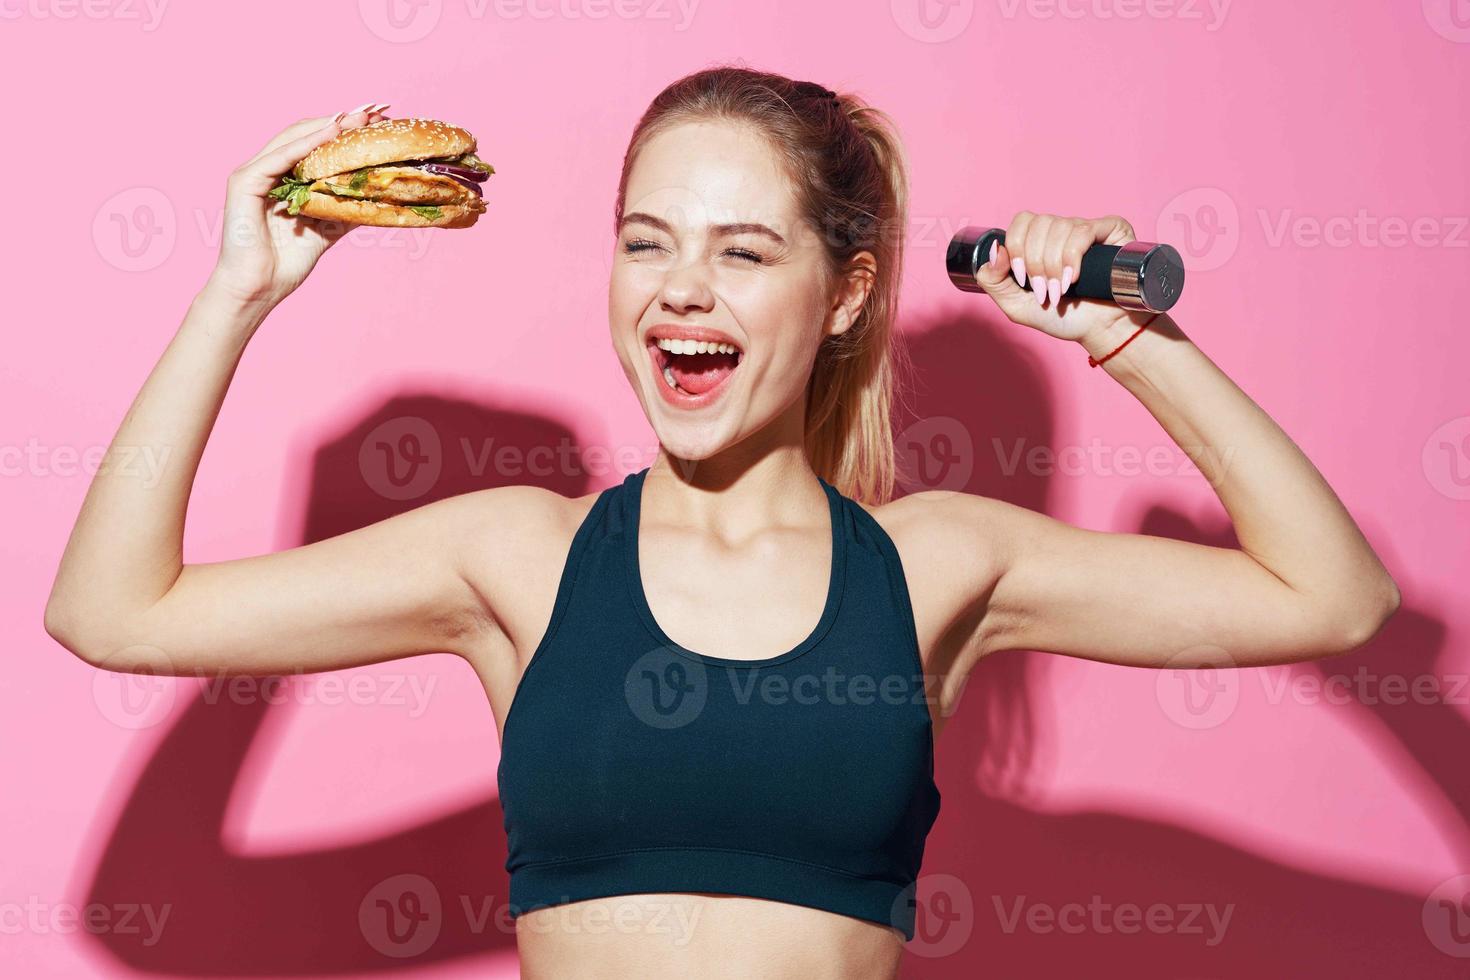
{"x": 1304, "y": 583}
{"x": 124, "y": 600}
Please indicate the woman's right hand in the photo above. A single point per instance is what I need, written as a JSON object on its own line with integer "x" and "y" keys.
{"x": 266, "y": 253}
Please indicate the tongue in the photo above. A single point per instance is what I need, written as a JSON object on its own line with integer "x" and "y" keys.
{"x": 698, "y": 373}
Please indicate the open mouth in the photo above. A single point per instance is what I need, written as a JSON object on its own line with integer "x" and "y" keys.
{"x": 694, "y": 369}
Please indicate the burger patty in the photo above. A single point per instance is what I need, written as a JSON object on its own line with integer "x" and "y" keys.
{"x": 398, "y": 185}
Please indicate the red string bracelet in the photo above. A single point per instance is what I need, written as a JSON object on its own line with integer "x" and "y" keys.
{"x": 1095, "y": 362}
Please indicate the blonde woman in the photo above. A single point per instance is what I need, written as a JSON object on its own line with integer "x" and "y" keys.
{"x": 718, "y": 682}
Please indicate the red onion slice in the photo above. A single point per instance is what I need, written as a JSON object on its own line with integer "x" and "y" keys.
{"x": 451, "y": 170}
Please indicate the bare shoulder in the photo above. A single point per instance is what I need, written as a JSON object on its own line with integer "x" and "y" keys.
{"x": 954, "y": 547}
{"x": 517, "y": 539}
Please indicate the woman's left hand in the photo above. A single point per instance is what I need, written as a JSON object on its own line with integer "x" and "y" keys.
{"x": 1045, "y": 252}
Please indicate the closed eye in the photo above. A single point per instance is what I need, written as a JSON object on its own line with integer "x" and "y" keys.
{"x": 635, "y": 245}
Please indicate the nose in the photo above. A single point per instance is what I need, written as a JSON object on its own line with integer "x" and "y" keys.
{"x": 686, "y": 289}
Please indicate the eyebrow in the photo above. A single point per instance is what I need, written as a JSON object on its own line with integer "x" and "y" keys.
{"x": 743, "y": 227}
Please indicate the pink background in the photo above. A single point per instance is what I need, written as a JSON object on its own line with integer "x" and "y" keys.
{"x": 1324, "y": 821}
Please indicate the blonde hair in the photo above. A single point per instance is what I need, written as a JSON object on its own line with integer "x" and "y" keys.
{"x": 851, "y": 178}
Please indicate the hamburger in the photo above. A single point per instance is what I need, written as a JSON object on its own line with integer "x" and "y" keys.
{"x": 416, "y": 173}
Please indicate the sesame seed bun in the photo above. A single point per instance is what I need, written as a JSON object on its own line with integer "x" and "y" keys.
{"x": 385, "y": 141}
{"x": 330, "y": 207}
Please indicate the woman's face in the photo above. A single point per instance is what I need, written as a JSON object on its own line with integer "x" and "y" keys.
{"x": 711, "y": 249}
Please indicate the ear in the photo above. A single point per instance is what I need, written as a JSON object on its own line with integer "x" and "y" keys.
{"x": 851, "y": 293}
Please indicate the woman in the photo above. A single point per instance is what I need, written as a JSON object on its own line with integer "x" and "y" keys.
{"x": 728, "y": 670}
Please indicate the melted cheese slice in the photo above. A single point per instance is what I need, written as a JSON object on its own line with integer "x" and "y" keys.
{"x": 399, "y": 185}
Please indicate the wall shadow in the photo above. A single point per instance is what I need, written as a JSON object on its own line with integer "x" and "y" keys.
{"x": 1285, "y": 921}
{"x": 299, "y": 914}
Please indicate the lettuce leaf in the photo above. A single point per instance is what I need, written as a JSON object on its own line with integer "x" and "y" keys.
{"x": 429, "y": 211}
{"x": 293, "y": 191}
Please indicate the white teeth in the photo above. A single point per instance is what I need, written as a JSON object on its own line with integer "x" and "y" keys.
{"x": 696, "y": 347}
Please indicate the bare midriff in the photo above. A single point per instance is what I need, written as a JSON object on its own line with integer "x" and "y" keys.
{"x": 690, "y": 934}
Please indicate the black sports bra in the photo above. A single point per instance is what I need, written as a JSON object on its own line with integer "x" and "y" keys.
{"x": 631, "y": 764}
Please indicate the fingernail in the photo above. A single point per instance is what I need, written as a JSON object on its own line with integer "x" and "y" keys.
{"x": 365, "y": 105}
{"x": 993, "y": 244}
{"x": 1066, "y": 278}
{"x": 1053, "y": 290}
{"x": 336, "y": 119}
{"x": 377, "y": 107}
{"x": 1018, "y": 269}
{"x": 1038, "y": 286}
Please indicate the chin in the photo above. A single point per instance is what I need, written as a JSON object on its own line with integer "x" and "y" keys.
{"x": 689, "y": 442}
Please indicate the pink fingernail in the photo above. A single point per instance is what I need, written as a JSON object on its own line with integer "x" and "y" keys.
{"x": 1053, "y": 290}
{"x": 1038, "y": 286}
{"x": 1018, "y": 269}
{"x": 993, "y": 244}
{"x": 1066, "y": 278}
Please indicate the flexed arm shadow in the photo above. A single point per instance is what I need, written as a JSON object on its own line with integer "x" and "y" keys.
{"x": 339, "y": 909}
{"x": 995, "y": 869}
